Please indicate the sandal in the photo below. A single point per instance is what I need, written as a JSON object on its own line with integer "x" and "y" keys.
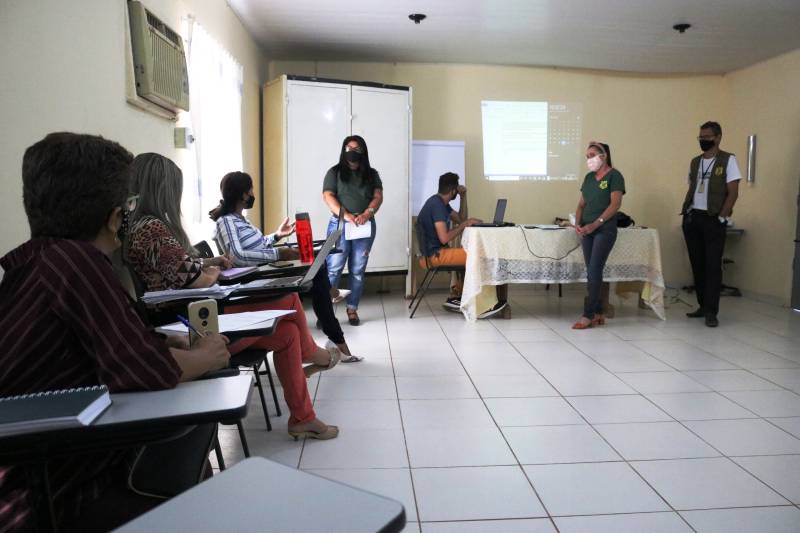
{"x": 581, "y": 325}
{"x": 336, "y": 356}
{"x": 352, "y": 317}
{"x": 330, "y": 433}
{"x": 339, "y": 295}
{"x": 347, "y": 356}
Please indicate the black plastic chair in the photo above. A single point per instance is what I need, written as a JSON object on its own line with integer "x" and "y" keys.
{"x": 430, "y": 270}
{"x": 251, "y": 359}
{"x": 158, "y": 318}
{"x": 204, "y": 249}
{"x": 547, "y": 288}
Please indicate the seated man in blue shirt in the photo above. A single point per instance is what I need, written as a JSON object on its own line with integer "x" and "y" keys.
{"x": 434, "y": 220}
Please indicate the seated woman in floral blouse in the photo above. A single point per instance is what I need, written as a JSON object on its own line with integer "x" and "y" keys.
{"x": 159, "y": 252}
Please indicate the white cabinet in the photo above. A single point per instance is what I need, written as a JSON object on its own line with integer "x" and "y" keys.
{"x": 305, "y": 122}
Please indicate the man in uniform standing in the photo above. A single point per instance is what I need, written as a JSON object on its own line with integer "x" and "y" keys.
{"x": 713, "y": 189}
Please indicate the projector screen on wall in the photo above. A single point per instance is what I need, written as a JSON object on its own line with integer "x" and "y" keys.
{"x": 531, "y": 140}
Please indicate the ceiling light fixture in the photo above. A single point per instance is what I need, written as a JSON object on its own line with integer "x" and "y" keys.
{"x": 417, "y": 17}
{"x": 681, "y": 27}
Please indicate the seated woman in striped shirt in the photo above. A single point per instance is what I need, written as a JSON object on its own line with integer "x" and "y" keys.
{"x": 246, "y": 245}
{"x": 159, "y": 252}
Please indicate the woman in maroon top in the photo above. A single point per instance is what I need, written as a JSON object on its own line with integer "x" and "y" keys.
{"x": 159, "y": 252}
{"x": 67, "y": 321}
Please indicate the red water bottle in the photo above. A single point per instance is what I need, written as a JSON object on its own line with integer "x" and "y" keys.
{"x": 305, "y": 240}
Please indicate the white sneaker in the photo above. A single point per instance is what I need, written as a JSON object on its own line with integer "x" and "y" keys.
{"x": 497, "y": 309}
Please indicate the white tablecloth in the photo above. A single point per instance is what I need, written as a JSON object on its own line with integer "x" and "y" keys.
{"x": 497, "y": 256}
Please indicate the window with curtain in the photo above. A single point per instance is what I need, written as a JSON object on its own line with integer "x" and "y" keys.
{"x": 215, "y": 117}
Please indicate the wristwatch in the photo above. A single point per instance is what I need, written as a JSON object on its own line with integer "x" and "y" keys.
{"x": 601, "y": 220}
{"x": 371, "y": 211}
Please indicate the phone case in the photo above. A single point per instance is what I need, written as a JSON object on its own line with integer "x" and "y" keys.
{"x": 203, "y": 317}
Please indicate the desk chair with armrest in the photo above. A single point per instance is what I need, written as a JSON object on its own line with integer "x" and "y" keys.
{"x": 430, "y": 270}
{"x": 252, "y": 359}
{"x": 161, "y": 316}
{"x": 204, "y": 249}
{"x": 164, "y": 470}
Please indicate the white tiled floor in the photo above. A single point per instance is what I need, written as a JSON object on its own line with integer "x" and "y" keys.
{"x": 527, "y": 425}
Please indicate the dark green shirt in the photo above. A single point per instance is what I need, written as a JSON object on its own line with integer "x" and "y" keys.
{"x": 351, "y": 191}
{"x": 597, "y": 194}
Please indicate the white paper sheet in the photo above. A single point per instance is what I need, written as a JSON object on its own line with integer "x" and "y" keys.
{"x": 352, "y": 232}
{"x": 230, "y": 322}
{"x": 215, "y": 291}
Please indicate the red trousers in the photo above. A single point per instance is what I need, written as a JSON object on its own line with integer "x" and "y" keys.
{"x": 292, "y": 345}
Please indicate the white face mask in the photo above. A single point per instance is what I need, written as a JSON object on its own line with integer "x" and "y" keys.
{"x": 594, "y": 163}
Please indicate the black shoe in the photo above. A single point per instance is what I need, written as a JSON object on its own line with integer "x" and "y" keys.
{"x": 711, "y": 321}
{"x": 699, "y": 313}
{"x": 497, "y": 309}
{"x": 352, "y": 317}
{"x": 452, "y": 304}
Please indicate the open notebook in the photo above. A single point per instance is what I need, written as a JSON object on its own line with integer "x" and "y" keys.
{"x": 231, "y": 323}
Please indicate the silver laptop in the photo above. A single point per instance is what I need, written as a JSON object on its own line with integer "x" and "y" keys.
{"x": 295, "y": 281}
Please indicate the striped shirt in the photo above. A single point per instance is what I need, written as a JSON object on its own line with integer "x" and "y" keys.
{"x": 67, "y": 322}
{"x": 245, "y": 242}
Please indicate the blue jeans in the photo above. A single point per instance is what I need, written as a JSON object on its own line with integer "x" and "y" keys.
{"x": 355, "y": 254}
{"x": 596, "y": 249}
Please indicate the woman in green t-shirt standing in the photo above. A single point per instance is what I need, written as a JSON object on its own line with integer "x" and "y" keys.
{"x": 353, "y": 184}
{"x": 596, "y": 223}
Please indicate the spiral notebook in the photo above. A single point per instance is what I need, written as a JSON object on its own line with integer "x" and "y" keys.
{"x": 52, "y": 409}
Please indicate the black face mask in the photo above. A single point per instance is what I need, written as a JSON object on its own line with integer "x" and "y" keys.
{"x": 352, "y": 156}
{"x": 706, "y": 145}
{"x": 122, "y": 232}
{"x": 250, "y": 202}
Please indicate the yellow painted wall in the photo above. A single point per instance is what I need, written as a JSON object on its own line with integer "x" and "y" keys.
{"x": 764, "y": 101}
{"x": 64, "y": 67}
{"x": 651, "y": 123}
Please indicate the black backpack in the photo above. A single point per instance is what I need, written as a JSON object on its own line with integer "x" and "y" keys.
{"x": 623, "y": 220}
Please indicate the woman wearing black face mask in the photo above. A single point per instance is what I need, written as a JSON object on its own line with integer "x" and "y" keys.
{"x": 354, "y": 185}
{"x": 247, "y": 246}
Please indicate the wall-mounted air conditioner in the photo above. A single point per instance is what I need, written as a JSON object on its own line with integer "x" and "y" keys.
{"x": 158, "y": 59}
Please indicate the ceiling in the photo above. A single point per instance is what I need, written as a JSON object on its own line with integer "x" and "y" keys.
{"x": 620, "y": 35}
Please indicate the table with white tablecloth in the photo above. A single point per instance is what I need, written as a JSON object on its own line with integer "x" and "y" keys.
{"x": 498, "y": 256}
